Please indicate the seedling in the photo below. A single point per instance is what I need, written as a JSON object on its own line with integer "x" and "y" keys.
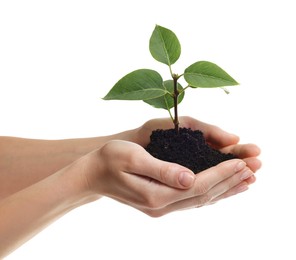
{"x": 148, "y": 85}
{"x": 180, "y": 145}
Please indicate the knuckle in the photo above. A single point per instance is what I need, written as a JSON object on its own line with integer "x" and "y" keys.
{"x": 115, "y": 149}
{"x": 107, "y": 149}
{"x": 165, "y": 173}
{"x": 152, "y": 202}
{"x": 201, "y": 188}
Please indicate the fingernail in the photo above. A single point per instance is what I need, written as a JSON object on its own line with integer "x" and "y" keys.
{"x": 246, "y": 174}
{"x": 186, "y": 179}
{"x": 240, "y": 166}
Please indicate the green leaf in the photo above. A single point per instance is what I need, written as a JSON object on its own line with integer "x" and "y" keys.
{"x": 166, "y": 101}
{"x": 140, "y": 84}
{"x": 204, "y": 74}
{"x": 164, "y": 45}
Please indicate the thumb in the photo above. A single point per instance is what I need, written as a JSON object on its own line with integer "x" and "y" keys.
{"x": 171, "y": 174}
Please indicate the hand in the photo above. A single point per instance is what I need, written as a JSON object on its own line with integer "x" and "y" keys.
{"x": 125, "y": 172}
{"x": 215, "y": 136}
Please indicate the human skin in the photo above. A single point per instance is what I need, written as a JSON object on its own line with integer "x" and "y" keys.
{"x": 42, "y": 180}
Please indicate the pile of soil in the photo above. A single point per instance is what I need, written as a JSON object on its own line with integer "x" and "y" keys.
{"x": 188, "y": 148}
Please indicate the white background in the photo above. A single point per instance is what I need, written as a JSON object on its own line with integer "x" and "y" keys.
{"x": 59, "y": 58}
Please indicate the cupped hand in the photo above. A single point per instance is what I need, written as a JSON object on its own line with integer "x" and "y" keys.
{"x": 215, "y": 136}
{"x": 124, "y": 171}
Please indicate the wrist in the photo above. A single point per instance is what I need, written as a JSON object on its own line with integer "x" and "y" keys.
{"x": 72, "y": 185}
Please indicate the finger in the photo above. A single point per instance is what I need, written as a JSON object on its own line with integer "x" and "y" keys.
{"x": 250, "y": 180}
{"x": 247, "y": 152}
{"x": 253, "y": 163}
{"x": 229, "y": 187}
{"x": 170, "y": 174}
{"x": 243, "y": 150}
{"x": 208, "y": 185}
{"x": 209, "y": 178}
{"x": 226, "y": 183}
{"x": 245, "y": 175}
{"x": 214, "y": 135}
{"x": 241, "y": 187}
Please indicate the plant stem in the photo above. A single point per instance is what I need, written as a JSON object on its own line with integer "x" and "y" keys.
{"x": 176, "y": 94}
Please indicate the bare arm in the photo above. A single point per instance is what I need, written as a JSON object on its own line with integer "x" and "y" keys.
{"x": 37, "y": 186}
{"x": 24, "y": 162}
{"x": 30, "y": 210}
{"x": 135, "y": 178}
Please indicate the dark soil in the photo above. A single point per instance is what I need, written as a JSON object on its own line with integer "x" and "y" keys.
{"x": 188, "y": 148}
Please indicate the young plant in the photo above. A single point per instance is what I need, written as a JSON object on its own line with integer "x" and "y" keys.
{"x": 148, "y": 85}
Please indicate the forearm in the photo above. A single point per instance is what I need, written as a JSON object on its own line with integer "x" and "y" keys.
{"x": 26, "y": 212}
{"x": 44, "y": 156}
{"x": 24, "y": 162}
